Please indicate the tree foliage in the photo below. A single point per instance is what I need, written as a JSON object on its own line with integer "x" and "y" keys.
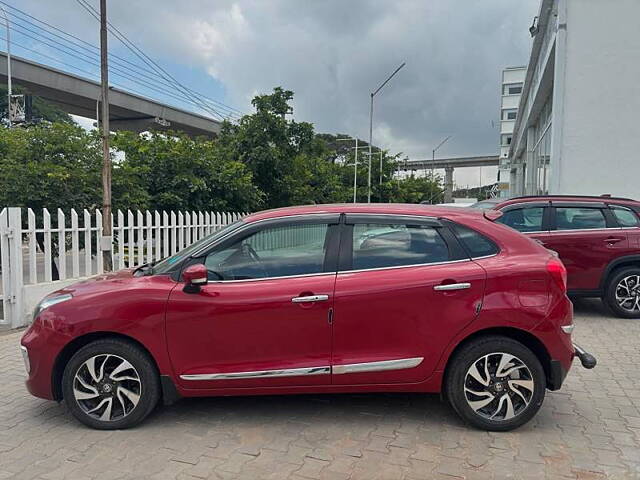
{"x": 265, "y": 160}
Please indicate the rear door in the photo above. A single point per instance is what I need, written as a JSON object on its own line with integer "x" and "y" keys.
{"x": 403, "y": 289}
{"x": 586, "y": 237}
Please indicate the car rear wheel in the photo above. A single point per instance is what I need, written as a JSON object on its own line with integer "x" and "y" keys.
{"x": 110, "y": 384}
{"x": 495, "y": 383}
{"x": 622, "y": 294}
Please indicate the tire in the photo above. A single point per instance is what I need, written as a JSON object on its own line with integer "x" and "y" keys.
{"x": 111, "y": 384}
{"x": 616, "y": 288}
{"x": 500, "y": 392}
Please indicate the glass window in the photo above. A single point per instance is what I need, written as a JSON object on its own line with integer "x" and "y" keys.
{"x": 476, "y": 244}
{"x": 272, "y": 252}
{"x": 625, "y": 217}
{"x": 576, "y": 218}
{"x": 509, "y": 114}
{"x": 506, "y": 140}
{"x": 523, "y": 219}
{"x": 378, "y": 245}
{"x": 515, "y": 89}
{"x": 168, "y": 264}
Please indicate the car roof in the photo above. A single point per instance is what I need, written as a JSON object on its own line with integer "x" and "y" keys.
{"x": 371, "y": 208}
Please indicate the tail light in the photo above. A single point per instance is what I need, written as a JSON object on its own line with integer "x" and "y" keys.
{"x": 558, "y": 272}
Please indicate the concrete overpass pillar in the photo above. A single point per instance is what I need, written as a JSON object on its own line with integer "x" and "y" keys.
{"x": 448, "y": 184}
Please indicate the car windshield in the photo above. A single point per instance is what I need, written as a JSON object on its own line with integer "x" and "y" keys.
{"x": 167, "y": 264}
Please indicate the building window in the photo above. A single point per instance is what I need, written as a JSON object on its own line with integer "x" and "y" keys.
{"x": 512, "y": 89}
{"x": 509, "y": 113}
{"x": 506, "y": 140}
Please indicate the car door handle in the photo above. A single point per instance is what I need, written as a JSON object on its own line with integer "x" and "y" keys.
{"x": 310, "y": 298}
{"x": 612, "y": 240}
{"x": 452, "y": 286}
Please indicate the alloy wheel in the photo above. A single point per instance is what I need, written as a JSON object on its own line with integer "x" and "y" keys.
{"x": 628, "y": 293}
{"x": 498, "y": 386}
{"x": 107, "y": 387}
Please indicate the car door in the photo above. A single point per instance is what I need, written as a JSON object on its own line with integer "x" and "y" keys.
{"x": 263, "y": 319}
{"x": 586, "y": 237}
{"x": 403, "y": 290}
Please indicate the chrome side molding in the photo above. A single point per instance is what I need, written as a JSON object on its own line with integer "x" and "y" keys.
{"x": 399, "y": 364}
{"x": 381, "y": 366}
{"x": 288, "y": 372}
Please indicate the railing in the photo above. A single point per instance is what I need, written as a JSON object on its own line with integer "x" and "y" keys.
{"x": 45, "y": 250}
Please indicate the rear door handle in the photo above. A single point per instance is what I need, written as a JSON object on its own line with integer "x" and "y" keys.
{"x": 452, "y": 286}
{"x": 612, "y": 240}
{"x": 310, "y": 299}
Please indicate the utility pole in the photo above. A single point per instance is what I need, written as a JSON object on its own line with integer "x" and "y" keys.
{"x": 105, "y": 245}
{"x": 9, "y": 92}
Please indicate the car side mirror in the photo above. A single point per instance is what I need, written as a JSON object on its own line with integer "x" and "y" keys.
{"x": 194, "y": 277}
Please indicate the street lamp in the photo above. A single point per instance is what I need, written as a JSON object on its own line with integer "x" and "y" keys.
{"x": 355, "y": 165}
{"x": 433, "y": 162}
{"x": 373, "y": 94}
{"x": 6, "y": 19}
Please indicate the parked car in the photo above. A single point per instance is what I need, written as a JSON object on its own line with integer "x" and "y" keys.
{"x": 337, "y": 298}
{"x": 597, "y": 238}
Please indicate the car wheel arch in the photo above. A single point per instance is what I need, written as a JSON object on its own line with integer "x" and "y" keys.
{"x": 76, "y": 344}
{"x": 617, "y": 264}
{"x": 526, "y": 338}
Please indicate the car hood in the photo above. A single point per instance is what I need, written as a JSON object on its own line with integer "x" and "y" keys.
{"x": 104, "y": 281}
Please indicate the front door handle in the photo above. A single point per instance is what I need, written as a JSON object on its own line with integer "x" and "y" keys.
{"x": 452, "y": 286}
{"x": 310, "y": 299}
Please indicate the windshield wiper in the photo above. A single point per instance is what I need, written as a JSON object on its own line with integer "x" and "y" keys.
{"x": 146, "y": 268}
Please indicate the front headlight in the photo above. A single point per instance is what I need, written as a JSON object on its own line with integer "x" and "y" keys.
{"x": 50, "y": 301}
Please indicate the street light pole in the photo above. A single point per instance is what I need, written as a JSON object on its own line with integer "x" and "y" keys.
{"x": 355, "y": 166}
{"x": 373, "y": 94}
{"x": 106, "y": 157}
{"x": 433, "y": 162}
{"x": 380, "y": 152}
{"x": 9, "y": 92}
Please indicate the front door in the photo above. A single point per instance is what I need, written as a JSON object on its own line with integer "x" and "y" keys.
{"x": 263, "y": 319}
{"x": 401, "y": 294}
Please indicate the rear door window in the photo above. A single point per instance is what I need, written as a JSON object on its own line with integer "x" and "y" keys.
{"x": 526, "y": 219}
{"x": 385, "y": 245}
{"x": 579, "y": 218}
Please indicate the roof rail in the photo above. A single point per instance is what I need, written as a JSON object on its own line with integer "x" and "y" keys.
{"x": 606, "y": 196}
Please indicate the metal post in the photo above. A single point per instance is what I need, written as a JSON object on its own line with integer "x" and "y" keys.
{"x": 9, "y": 91}
{"x": 106, "y": 240}
{"x": 355, "y": 174}
{"x": 370, "y": 141}
{"x": 380, "y": 152}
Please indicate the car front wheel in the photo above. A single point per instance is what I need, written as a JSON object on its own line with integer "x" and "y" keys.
{"x": 622, "y": 293}
{"x": 495, "y": 383}
{"x": 110, "y": 384}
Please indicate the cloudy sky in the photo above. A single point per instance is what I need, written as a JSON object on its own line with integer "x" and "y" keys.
{"x": 331, "y": 53}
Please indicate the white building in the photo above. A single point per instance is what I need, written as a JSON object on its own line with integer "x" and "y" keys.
{"x": 511, "y": 91}
{"x": 578, "y": 130}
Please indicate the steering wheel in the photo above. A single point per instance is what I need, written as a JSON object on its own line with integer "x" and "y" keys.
{"x": 252, "y": 253}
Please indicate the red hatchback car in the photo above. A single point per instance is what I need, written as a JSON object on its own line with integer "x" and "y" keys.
{"x": 330, "y": 298}
{"x": 597, "y": 238}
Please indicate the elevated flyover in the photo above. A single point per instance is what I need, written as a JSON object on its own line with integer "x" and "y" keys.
{"x": 449, "y": 164}
{"x": 79, "y": 96}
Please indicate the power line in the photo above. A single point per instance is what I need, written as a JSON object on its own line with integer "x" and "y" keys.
{"x": 78, "y": 44}
{"x": 140, "y": 54}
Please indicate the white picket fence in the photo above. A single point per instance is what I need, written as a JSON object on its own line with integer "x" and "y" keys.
{"x": 32, "y": 246}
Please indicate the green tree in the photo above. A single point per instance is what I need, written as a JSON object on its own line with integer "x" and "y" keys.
{"x": 272, "y": 147}
{"x": 180, "y": 173}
